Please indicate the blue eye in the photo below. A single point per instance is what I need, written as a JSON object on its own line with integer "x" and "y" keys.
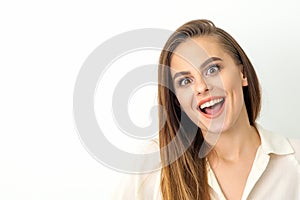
{"x": 212, "y": 70}
{"x": 184, "y": 81}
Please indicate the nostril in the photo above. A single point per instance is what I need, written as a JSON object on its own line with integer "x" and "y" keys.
{"x": 201, "y": 89}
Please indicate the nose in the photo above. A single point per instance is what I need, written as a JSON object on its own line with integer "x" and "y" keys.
{"x": 201, "y": 86}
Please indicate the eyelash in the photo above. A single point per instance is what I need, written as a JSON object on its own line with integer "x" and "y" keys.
{"x": 218, "y": 68}
{"x": 190, "y": 79}
{"x": 180, "y": 81}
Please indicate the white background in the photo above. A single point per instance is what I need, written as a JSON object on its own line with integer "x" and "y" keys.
{"x": 43, "y": 45}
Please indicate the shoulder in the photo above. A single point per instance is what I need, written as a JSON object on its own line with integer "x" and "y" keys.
{"x": 149, "y": 182}
{"x": 274, "y": 143}
{"x": 295, "y": 143}
{"x": 278, "y": 144}
{"x": 145, "y": 182}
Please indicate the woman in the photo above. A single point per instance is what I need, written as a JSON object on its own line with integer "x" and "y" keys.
{"x": 211, "y": 147}
{"x": 211, "y": 80}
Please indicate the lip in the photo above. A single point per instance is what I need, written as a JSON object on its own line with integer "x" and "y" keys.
{"x": 207, "y": 100}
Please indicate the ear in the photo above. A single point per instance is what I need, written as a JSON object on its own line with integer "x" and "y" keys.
{"x": 244, "y": 81}
{"x": 244, "y": 78}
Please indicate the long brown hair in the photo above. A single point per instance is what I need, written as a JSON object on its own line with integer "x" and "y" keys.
{"x": 186, "y": 177}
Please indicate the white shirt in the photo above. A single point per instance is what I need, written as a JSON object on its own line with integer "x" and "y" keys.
{"x": 275, "y": 174}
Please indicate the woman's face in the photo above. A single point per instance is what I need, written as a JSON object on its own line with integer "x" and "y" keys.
{"x": 208, "y": 85}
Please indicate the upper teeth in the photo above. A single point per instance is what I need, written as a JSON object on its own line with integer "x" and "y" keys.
{"x": 211, "y": 103}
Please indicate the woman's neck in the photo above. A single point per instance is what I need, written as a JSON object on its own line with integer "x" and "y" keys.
{"x": 238, "y": 142}
{"x": 231, "y": 146}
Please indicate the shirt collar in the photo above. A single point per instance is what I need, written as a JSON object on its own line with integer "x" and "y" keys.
{"x": 273, "y": 143}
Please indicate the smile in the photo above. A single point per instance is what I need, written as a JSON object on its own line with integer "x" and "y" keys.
{"x": 211, "y": 107}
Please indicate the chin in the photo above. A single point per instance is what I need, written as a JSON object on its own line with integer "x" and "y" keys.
{"x": 216, "y": 129}
{"x": 214, "y": 126}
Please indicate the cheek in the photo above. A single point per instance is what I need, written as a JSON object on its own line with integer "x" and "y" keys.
{"x": 232, "y": 82}
{"x": 234, "y": 91}
{"x": 185, "y": 99}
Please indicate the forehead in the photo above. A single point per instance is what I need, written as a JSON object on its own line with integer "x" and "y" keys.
{"x": 194, "y": 51}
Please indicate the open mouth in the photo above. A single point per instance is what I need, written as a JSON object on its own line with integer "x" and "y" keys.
{"x": 212, "y": 107}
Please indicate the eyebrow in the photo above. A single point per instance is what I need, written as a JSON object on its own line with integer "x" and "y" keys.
{"x": 181, "y": 74}
{"x": 209, "y": 60}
